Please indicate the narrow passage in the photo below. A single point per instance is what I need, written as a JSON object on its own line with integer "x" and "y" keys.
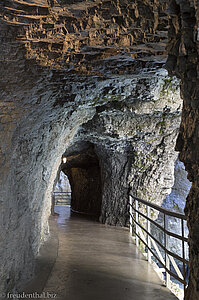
{"x": 100, "y": 262}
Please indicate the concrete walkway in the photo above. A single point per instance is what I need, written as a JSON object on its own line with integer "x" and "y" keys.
{"x": 99, "y": 262}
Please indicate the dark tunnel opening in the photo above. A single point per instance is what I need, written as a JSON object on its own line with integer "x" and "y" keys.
{"x": 83, "y": 171}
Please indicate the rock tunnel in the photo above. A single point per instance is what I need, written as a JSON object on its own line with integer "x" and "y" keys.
{"x": 84, "y": 175}
{"x": 87, "y": 80}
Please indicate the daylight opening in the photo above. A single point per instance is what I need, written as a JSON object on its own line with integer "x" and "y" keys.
{"x": 62, "y": 191}
{"x": 79, "y": 182}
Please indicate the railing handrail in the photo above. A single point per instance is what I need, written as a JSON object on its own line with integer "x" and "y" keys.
{"x": 63, "y": 198}
{"x": 61, "y": 192}
{"x": 161, "y": 209}
{"x": 145, "y": 236}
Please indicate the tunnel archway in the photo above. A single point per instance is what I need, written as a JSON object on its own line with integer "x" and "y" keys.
{"x": 83, "y": 170}
{"x": 45, "y": 116}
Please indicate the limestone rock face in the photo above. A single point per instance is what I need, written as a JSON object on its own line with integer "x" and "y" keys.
{"x": 176, "y": 200}
{"x": 73, "y": 36}
{"x": 183, "y": 62}
{"x": 62, "y": 184}
{"x": 86, "y": 73}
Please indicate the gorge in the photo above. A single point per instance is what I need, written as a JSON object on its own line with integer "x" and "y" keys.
{"x": 87, "y": 80}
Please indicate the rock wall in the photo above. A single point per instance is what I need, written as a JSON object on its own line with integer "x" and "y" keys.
{"x": 183, "y": 62}
{"x": 62, "y": 184}
{"x": 74, "y": 36}
{"x": 68, "y": 79}
{"x": 175, "y": 201}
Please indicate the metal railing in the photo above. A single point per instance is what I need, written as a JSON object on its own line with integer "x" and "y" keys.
{"x": 160, "y": 251}
{"x": 62, "y": 198}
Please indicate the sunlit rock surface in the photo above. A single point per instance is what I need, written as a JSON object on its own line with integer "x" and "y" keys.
{"x": 175, "y": 201}
{"x": 62, "y": 184}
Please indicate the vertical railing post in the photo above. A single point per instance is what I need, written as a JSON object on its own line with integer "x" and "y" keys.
{"x": 183, "y": 254}
{"x": 149, "y": 231}
{"x": 167, "y": 262}
{"x": 54, "y": 198}
{"x": 137, "y": 220}
{"x": 131, "y": 213}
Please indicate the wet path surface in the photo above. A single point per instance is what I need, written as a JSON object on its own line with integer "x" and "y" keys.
{"x": 99, "y": 262}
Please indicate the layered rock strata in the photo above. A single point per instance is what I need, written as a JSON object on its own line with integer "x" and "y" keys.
{"x": 73, "y": 76}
